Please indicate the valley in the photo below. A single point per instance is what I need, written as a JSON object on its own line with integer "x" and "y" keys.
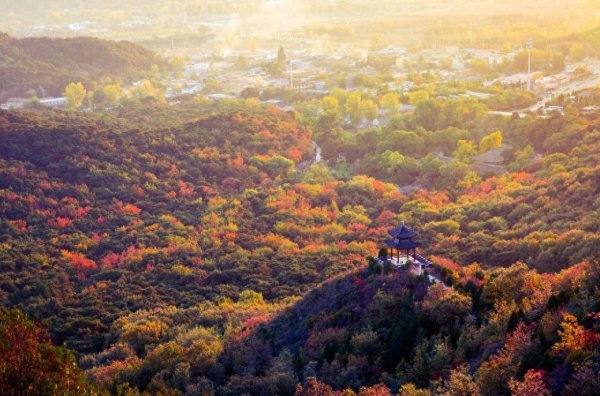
{"x": 329, "y": 202}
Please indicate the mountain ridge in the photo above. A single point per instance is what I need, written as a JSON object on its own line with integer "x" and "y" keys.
{"x": 47, "y": 64}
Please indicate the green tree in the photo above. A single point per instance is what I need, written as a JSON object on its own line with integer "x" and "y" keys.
{"x": 340, "y": 95}
{"x": 281, "y": 57}
{"x": 353, "y": 106}
{"x": 279, "y": 165}
{"x": 368, "y": 109}
{"x": 390, "y": 102}
{"x": 148, "y": 89}
{"x": 75, "y": 94}
{"x": 405, "y": 142}
{"x": 416, "y": 97}
{"x": 522, "y": 159}
{"x": 331, "y": 107}
{"x": 178, "y": 66}
{"x": 97, "y": 97}
{"x": 491, "y": 141}
{"x": 318, "y": 174}
{"x": 465, "y": 150}
{"x": 112, "y": 93}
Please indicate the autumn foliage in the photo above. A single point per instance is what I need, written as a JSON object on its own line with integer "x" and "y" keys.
{"x": 183, "y": 250}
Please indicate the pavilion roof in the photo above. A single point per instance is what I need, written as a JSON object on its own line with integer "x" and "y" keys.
{"x": 403, "y": 232}
{"x": 402, "y": 244}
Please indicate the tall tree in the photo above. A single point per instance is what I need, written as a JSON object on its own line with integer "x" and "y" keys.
{"x": 75, "y": 94}
{"x": 465, "y": 150}
{"x": 353, "y": 106}
{"x": 532, "y": 385}
{"x": 112, "y": 93}
{"x": 493, "y": 140}
{"x": 368, "y": 109}
{"x": 390, "y": 102}
{"x": 281, "y": 57}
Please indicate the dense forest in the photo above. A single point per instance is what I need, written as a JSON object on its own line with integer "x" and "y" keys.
{"x": 45, "y": 66}
{"x": 183, "y": 249}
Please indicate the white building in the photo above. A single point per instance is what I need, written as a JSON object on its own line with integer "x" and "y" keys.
{"x": 15, "y": 104}
{"x": 54, "y": 102}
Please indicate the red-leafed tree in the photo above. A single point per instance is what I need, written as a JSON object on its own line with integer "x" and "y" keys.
{"x": 31, "y": 365}
{"x": 313, "y": 387}
{"x": 532, "y": 385}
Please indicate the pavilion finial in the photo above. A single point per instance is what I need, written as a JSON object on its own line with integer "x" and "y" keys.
{"x": 402, "y": 222}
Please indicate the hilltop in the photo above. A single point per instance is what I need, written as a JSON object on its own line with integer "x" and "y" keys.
{"x": 47, "y": 65}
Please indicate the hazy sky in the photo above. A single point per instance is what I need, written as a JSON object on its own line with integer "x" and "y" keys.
{"x": 372, "y": 6}
{"x": 110, "y": 18}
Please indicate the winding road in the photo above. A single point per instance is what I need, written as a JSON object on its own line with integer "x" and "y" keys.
{"x": 317, "y": 157}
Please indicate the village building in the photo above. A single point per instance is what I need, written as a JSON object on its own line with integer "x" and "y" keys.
{"x": 54, "y": 102}
{"x": 15, "y": 103}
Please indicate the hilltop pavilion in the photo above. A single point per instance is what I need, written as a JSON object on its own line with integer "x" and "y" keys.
{"x": 403, "y": 250}
{"x": 402, "y": 244}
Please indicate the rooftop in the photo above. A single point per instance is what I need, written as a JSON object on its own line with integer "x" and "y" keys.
{"x": 403, "y": 232}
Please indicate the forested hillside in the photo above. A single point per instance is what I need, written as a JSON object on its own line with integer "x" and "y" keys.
{"x": 178, "y": 249}
{"x": 47, "y": 65}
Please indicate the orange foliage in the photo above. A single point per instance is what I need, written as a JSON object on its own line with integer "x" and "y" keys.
{"x": 60, "y": 223}
{"x": 104, "y": 375}
{"x": 80, "y": 212}
{"x": 521, "y": 177}
{"x": 131, "y": 254}
{"x": 20, "y": 225}
{"x": 375, "y": 390}
{"x": 44, "y": 185}
{"x": 295, "y": 154}
{"x": 138, "y": 191}
{"x": 237, "y": 162}
{"x": 79, "y": 262}
{"x": 128, "y": 209}
{"x": 572, "y": 277}
{"x": 386, "y": 218}
{"x": 314, "y": 248}
{"x": 111, "y": 260}
{"x": 315, "y": 388}
{"x": 185, "y": 189}
{"x": 446, "y": 263}
{"x": 439, "y": 199}
{"x": 532, "y": 385}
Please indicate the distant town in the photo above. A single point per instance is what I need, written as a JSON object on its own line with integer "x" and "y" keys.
{"x": 309, "y": 73}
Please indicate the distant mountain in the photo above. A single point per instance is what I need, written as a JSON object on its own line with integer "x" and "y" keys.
{"x": 47, "y": 65}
